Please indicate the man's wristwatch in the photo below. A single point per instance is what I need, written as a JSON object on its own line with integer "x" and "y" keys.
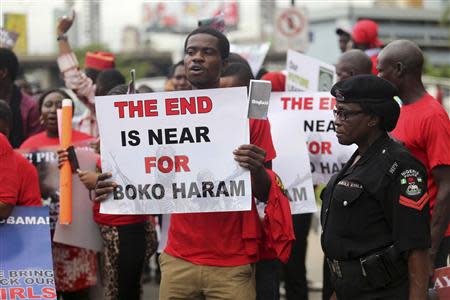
{"x": 62, "y": 37}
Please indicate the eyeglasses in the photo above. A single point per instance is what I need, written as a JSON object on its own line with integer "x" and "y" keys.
{"x": 345, "y": 114}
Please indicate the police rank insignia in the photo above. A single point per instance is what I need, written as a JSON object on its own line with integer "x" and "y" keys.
{"x": 413, "y": 190}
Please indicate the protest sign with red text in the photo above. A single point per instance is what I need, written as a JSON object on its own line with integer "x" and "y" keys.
{"x": 313, "y": 112}
{"x": 173, "y": 152}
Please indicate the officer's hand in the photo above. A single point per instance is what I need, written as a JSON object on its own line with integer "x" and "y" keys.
{"x": 103, "y": 188}
{"x": 63, "y": 156}
{"x": 250, "y": 157}
{"x": 64, "y": 23}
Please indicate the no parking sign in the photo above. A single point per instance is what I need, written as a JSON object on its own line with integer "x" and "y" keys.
{"x": 291, "y": 29}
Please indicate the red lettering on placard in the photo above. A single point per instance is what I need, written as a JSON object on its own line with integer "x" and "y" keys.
{"x": 17, "y": 292}
{"x": 308, "y": 103}
{"x": 319, "y": 147}
{"x": 31, "y": 294}
{"x": 285, "y": 101}
{"x": 193, "y": 105}
{"x": 166, "y": 164}
{"x": 204, "y": 104}
{"x": 48, "y": 293}
{"x": 172, "y": 106}
{"x": 150, "y": 108}
{"x": 300, "y": 103}
{"x": 327, "y": 103}
{"x": 138, "y": 108}
{"x": 121, "y": 106}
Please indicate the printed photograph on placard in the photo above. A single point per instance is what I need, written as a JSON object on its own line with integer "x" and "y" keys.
{"x": 325, "y": 79}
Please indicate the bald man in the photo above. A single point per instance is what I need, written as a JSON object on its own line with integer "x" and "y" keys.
{"x": 424, "y": 128}
{"x": 353, "y": 62}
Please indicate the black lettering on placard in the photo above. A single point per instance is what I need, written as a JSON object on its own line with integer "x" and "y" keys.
{"x": 318, "y": 126}
{"x": 178, "y": 136}
{"x": 133, "y": 138}
{"x": 299, "y": 194}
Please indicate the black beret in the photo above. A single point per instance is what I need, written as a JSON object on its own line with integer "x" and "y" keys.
{"x": 364, "y": 88}
{"x": 374, "y": 94}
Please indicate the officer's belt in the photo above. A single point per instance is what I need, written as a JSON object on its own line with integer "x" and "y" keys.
{"x": 392, "y": 263}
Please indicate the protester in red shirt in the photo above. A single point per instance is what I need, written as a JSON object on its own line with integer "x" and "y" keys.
{"x": 74, "y": 268}
{"x": 211, "y": 255}
{"x": 28, "y": 193}
{"x": 9, "y": 188}
{"x": 267, "y": 281}
{"x": 424, "y": 128}
{"x": 365, "y": 37}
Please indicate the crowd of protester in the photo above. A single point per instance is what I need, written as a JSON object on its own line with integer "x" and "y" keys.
{"x": 207, "y": 255}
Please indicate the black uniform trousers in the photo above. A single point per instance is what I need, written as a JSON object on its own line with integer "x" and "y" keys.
{"x": 358, "y": 288}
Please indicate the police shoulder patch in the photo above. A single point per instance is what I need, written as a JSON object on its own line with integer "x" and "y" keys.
{"x": 413, "y": 189}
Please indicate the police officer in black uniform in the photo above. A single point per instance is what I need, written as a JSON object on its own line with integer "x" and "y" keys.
{"x": 375, "y": 211}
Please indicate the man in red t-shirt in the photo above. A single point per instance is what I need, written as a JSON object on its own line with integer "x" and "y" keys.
{"x": 424, "y": 128}
{"x": 212, "y": 255}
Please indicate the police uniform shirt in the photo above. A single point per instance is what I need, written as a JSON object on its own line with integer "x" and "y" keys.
{"x": 379, "y": 201}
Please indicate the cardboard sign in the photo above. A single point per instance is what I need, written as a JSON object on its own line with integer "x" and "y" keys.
{"x": 26, "y": 269}
{"x": 292, "y": 162}
{"x": 173, "y": 152}
{"x": 254, "y": 54}
{"x": 314, "y": 116}
{"x": 83, "y": 232}
{"x": 305, "y": 73}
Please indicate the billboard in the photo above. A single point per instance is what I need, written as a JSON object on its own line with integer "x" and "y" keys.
{"x": 182, "y": 16}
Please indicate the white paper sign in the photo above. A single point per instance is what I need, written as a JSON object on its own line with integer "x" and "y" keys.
{"x": 306, "y": 73}
{"x": 313, "y": 112}
{"x": 173, "y": 152}
{"x": 254, "y": 54}
{"x": 292, "y": 162}
{"x": 82, "y": 232}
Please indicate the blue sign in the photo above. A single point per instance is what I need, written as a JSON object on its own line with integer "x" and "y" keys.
{"x": 26, "y": 269}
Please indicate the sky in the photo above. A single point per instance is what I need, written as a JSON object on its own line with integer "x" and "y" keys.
{"x": 115, "y": 15}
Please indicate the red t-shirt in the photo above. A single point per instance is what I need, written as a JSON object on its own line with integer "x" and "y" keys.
{"x": 29, "y": 193}
{"x": 221, "y": 238}
{"x": 42, "y": 139}
{"x": 9, "y": 187}
{"x": 424, "y": 128}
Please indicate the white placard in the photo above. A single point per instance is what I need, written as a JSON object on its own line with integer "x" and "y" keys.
{"x": 292, "y": 162}
{"x": 173, "y": 152}
{"x": 254, "y": 54}
{"x": 82, "y": 232}
{"x": 305, "y": 73}
{"x": 314, "y": 116}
